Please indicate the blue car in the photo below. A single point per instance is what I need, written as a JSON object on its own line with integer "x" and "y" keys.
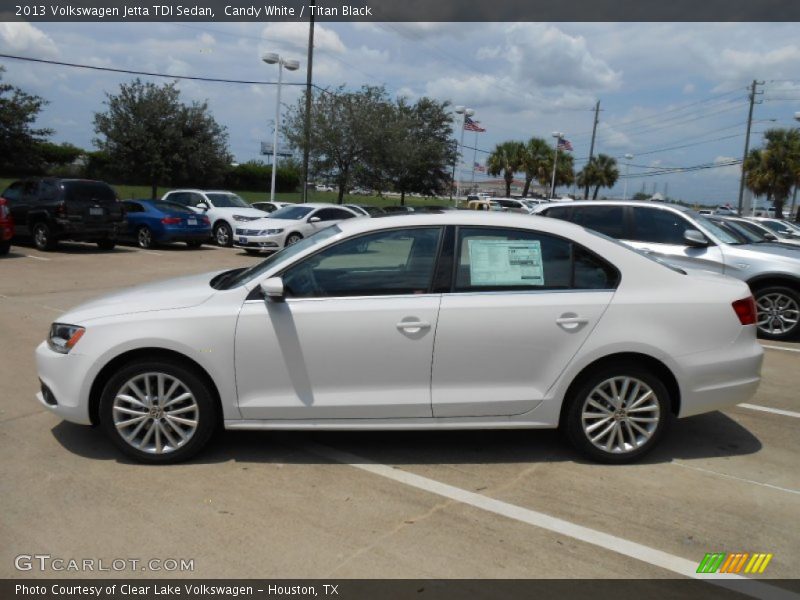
{"x": 150, "y": 222}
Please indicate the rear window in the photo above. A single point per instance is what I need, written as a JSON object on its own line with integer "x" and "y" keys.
{"x": 172, "y": 207}
{"x": 89, "y": 191}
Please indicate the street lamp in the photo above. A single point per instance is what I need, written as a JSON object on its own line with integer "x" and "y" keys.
{"x": 628, "y": 157}
{"x": 794, "y": 195}
{"x": 464, "y": 112}
{"x": 272, "y": 58}
{"x": 557, "y": 135}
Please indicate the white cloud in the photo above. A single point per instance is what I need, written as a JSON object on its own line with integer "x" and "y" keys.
{"x": 24, "y": 37}
{"x": 295, "y": 36}
{"x": 688, "y": 88}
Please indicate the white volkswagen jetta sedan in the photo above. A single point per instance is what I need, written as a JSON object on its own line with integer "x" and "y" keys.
{"x": 437, "y": 321}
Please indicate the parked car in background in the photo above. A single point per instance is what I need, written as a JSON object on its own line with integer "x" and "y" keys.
{"x": 376, "y": 323}
{"x": 225, "y": 210}
{"x": 754, "y": 233}
{"x": 152, "y": 222}
{"x": 706, "y": 211}
{"x": 684, "y": 238}
{"x": 786, "y": 232}
{"x": 51, "y": 209}
{"x": 398, "y": 209}
{"x": 289, "y": 225}
{"x": 724, "y": 211}
{"x": 6, "y": 227}
{"x": 514, "y": 205}
{"x": 323, "y": 187}
{"x": 484, "y": 205}
{"x": 269, "y": 206}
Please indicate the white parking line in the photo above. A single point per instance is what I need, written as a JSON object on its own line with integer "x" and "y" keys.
{"x": 774, "y": 411}
{"x": 781, "y": 348}
{"x": 733, "y": 477}
{"x": 664, "y": 560}
{"x": 37, "y": 257}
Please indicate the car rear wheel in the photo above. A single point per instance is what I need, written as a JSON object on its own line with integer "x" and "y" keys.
{"x": 144, "y": 237}
{"x": 293, "y": 238}
{"x": 778, "y": 312}
{"x": 42, "y": 236}
{"x": 223, "y": 235}
{"x": 158, "y": 411}
{"x": 617, "y": 413}
{"x": 106, "y": 244}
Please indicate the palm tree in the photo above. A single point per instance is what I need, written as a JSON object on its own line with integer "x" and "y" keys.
{"x": 771, "y": 171}
{"x": 536, "y": 154}
{"x": 600, "y": 171}
{"x": 505, "y": 159}
{"x": 565, "y": 170}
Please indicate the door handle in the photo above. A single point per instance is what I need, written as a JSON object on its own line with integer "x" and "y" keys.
{"x": 413, "y": 326}
{"x": 571, "y": 321}
{"x": 646, "y": 250}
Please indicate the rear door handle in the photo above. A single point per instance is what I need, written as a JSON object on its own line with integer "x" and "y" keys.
{"x": 571, "y": 321}
{"x": 413, "y": 326}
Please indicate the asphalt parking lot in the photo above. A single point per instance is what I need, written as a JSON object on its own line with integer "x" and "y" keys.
{"x": 506, "y": 504}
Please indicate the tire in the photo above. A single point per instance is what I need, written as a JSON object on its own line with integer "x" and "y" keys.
{"x": 42, "y": 236}
{"x": 194, "y": 244}
{"x": 160, "y": 437}
{"x": 293, "y": 238}
{"x": 106, "y": 244}
{"x": 5, "y": 247}
{"x": 778, "y": 312}
{"x": 144, "y": 237}
{"x": 651, "y": 401}
{"x": 223, "y": 235}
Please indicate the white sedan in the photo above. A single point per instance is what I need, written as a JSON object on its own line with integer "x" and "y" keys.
{"x": 289, "y": 225}
{"x": 434, "y": 321}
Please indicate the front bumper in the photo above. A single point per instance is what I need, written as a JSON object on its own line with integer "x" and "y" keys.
{"x": 258, "y": 242}
{"x": 63, "y": 377}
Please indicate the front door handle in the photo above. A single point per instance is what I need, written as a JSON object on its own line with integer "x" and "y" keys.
{"x": 571, "y": 321}
{"x": 646, "y": 250}
{"x": 413, "y": 326}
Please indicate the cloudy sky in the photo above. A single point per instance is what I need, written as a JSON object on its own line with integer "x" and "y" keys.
{"x": 673, "y": 95}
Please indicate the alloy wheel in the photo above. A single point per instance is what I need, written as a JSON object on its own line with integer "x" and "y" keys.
{"x": 145, "y": 238}
{"x": 620, "y": 414}
{"x": 778, "y": 313}
{"x": 40, "y": 236}
{"x": 155, "y": 413}
{"x": 223, "y": 235}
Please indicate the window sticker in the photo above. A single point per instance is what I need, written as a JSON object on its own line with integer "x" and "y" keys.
{"x": 505, "y": 262}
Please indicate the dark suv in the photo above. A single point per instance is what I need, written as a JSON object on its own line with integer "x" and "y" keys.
{"x": 51, "y": 209}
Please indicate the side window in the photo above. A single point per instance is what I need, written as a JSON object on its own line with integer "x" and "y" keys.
{"x": 557, "y": 212}
{"x": 379, "y": 264}
{"x": 179, "y": 197}
{"x": 333, "y": 214}
{"x": 511, "y": 260}
{"x": 48, "y": 191}
{"x": 658, "y": 226}
{"x": 608, "y": 220}
{"x": 30, "y": 189}
{"x": 13, "y": 192}
{"x": 195, "y": 199}
{"x": 134, "y": 207}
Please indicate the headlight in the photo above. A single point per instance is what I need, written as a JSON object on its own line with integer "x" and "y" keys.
{"x": 243, "y": 219}
{"x": 271, "y": 231}
{"x": 63, "y": 337}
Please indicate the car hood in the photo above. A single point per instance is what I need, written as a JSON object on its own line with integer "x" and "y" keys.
{"x": 782, "y": 251}
{"x": 181, "y": 292}
{"x": 269, "y": 223}
{"x": 245, "y": 212}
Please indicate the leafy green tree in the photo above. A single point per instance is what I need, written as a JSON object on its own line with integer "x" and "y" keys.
{"x": 772, "y": 170}
{"x": 535, "y": 155}
{"x": 565, "y": 169}
{"x": 506, "y": 159}
{"x": 346, "y": 128}
{"x": 599, "y": 172}
{"x": 19, "y": 138}
{"x": 151, "y": 136}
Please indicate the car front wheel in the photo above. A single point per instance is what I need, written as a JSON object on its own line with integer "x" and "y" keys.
{"x": 617, "y": 413}
{"x": 778, "y": 312}
{"x": 223, "y": 235}
{"x": 158, "y": 411}
{"x": 293, "y": 238}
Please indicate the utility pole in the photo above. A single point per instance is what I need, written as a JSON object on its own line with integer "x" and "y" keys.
{"x": 307, "y": 124}
{"x": 591, "y": 147}
{"x": 753, "y": 94}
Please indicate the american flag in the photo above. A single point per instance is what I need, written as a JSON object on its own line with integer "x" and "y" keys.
{"x": 564, "y": 144}
{"x": 471, "y": 125}
{"x": 479, "y": 167}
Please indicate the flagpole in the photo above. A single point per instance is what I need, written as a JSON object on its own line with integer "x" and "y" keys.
{"x": 474, "y": 159}
{"x": 557, "y": 136}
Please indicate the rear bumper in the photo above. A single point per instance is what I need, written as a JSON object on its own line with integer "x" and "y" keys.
{"x": 258, "y": 242}
{"x": 184, "y": 235}
{"x": 716, "y": 380}
{"x": 69, "y": 229}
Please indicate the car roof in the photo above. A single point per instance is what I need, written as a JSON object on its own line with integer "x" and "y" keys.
{"x": 664, "y": 205}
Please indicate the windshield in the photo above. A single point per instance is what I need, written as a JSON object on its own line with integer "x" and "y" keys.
{"x": 778, "y": 227}
{"x": 226, "y": 200}
{"x": 240, "y": 277}
{"x": 726, "y": 236}
{"x": 292, "y": 213}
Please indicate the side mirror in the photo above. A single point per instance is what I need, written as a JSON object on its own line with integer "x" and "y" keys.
{"x": 695, "y": 238}
{"x": 314, "y": 219}
{"x": 272, "y": 289}
{"x": 771, "y": 237}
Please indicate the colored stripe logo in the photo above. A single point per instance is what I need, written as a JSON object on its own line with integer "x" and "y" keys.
{"x": 736, "y": 562}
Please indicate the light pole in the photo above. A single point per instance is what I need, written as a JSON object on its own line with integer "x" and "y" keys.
{"x": 557, "y": 135}
{"x": 464, "y": 112}
{"x": 794, "y": 195}
{"x": 628, "y": 157}
{"x": 272, "y": 58}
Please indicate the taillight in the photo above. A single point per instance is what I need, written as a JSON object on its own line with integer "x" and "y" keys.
{"x": 3, "y": 209}
{"x": 745, "y": 309}
{"x": 171, "y": 220}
